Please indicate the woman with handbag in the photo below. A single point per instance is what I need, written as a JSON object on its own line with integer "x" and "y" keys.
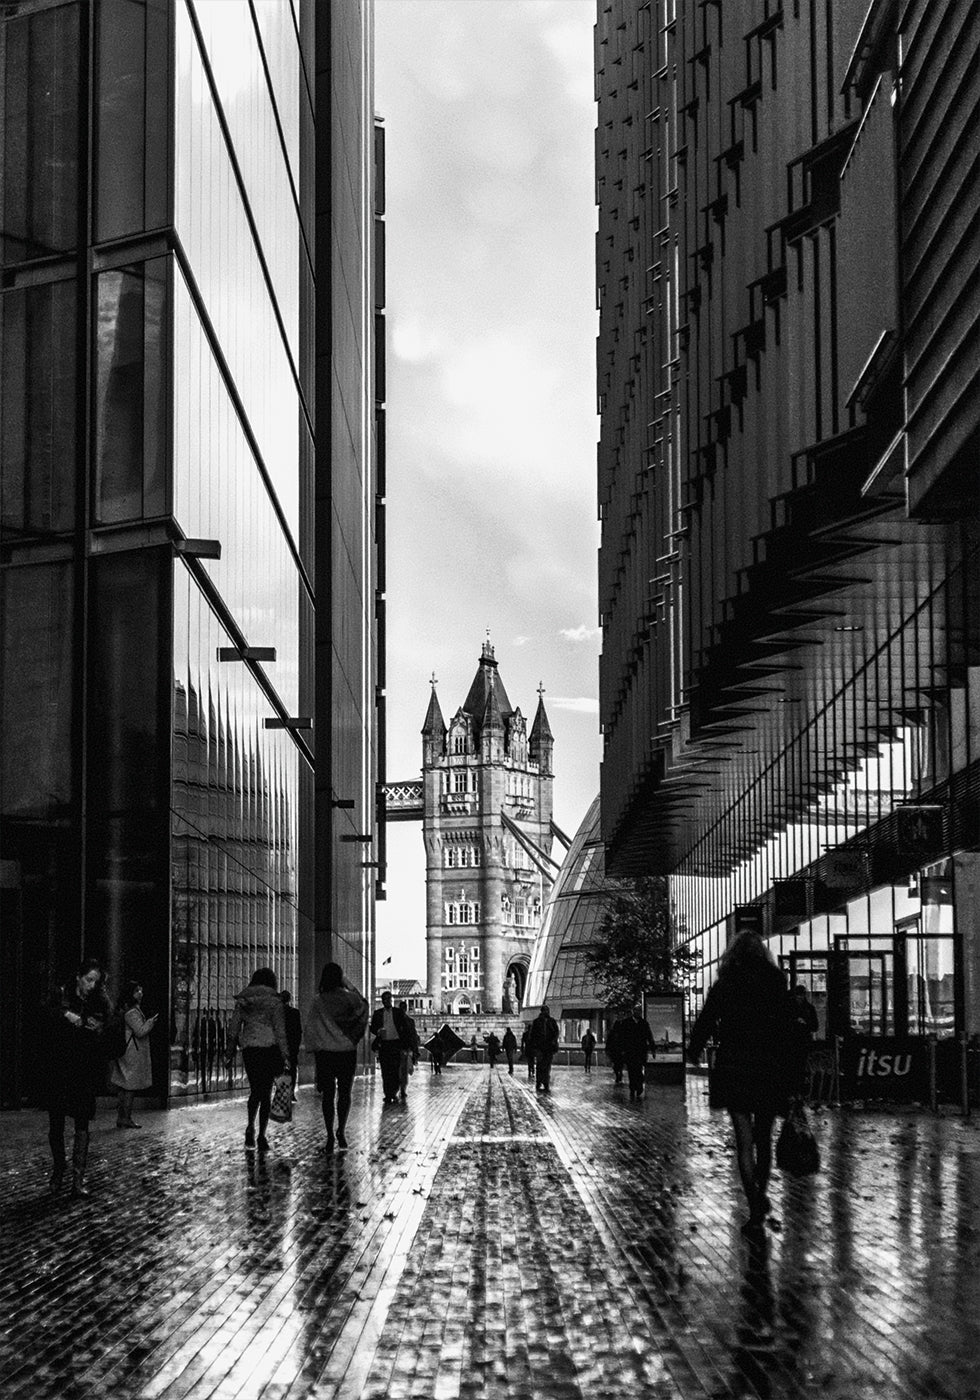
{"x": 258, "y": 1024}
{"x": 74, "y": 1068}
{"x": 749, "y": 1013}
{"x": 131, "y": 1073}
{"x": 336, "y": 1021}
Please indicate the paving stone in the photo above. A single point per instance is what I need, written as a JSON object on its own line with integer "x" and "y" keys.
{"x": 485, "y": 1241}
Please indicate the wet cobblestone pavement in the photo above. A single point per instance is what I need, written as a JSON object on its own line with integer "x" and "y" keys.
{"x": 480, "y": 1241}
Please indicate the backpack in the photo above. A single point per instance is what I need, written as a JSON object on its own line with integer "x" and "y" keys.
{"x": 115, "y": 1037}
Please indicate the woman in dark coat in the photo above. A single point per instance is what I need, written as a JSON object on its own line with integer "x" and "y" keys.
{"x": 75, "y": 1068}
{"x": 748, "y": 1011}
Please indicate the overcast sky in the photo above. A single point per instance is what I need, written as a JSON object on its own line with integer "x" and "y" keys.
{"x": 488, "y": 110}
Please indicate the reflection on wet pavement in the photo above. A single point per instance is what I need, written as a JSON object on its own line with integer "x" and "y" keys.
{"x": 481, "y": 1242}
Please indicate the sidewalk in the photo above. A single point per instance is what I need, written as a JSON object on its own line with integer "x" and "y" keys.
{"x": 481, "y": 1242}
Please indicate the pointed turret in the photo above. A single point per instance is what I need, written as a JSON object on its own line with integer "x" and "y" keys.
{"x": 541, "y": 745}
{"x": 434, "y": 728}
{"x": 492, "y": 725}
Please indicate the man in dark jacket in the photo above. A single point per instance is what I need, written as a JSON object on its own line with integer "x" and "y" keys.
{"x": 389, "y": 1037}
{"x": 509, "y": 1043}
{"x": 614, "y": 1048}
{"x": 637, "y": 1043}
{"x": 542, "y": 1044}
{"x": 294, "y": 1037}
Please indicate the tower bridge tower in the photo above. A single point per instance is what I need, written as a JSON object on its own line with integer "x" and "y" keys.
{"x": 487, "y": 826}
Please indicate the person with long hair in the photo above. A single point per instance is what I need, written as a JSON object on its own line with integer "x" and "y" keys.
{"x": 336, "y": 1021}
{"x": 132, "y": 1074}
{"x": 748, "y": 1012}
{"x": 75, "y": 1068}
{"x": 258, "y": 1024}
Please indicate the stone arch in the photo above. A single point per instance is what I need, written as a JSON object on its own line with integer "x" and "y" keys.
{"x": 517, "y": 967}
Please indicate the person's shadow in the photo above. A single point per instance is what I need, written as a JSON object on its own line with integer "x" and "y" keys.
{"x": 754, "y": 1347}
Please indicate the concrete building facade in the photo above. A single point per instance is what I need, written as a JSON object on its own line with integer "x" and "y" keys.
{"x": 487, "y": 782}
{"x": 788, "y": 487}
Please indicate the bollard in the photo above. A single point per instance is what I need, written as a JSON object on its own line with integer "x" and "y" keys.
{"x": 964, "y": 1076}
{"x": 933, "y": 1089}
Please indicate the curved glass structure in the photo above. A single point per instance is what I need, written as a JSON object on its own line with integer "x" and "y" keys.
{"x": 576, "y": 905}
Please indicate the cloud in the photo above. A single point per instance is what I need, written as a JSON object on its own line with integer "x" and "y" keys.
{"x": 521, "y": 641}
{"x": 413, "y": 342}
{"x": 580, "y": 704}
{"x": 582, "y": 633}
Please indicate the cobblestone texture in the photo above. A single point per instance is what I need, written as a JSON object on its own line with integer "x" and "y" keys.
{"x": 481, "y": 1241}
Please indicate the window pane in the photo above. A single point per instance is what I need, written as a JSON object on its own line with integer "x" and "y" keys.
{"x": 37, "y": 408}
{"x": 120, "y": 118}
{"x": 130, "y": 397}
{"x": 38, "y": 117}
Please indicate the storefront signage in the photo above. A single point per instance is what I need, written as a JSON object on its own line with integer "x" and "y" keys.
{"x": 886, "y": 1067}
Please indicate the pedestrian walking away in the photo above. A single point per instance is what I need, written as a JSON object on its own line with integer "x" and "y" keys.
{"x": 389, "y": 1037}
{"x": 258, "y": 1024}
{"x": 509, "y": 1044}
{"x": 807, "y": 1024}
{"x": 131, "y": 1073}
{"x": 749, "y": 1014}
{"x": 526, "y": 1052}
{"x": 410, "y": 1050}
{"x": 73, "y": 1069}
{"x": 588, "y": 1049}
{"x": 636, "y": 1043}
{"x": 474, "y": 1052}
{"x": 493, "y": 1049}
{"x": 543, "y": 1045}
{"x": 294, "y": 1038}
{"x": 335, "y": 1023}
{"x": 614, "y": 1048}
{"x": 436, "y": 1054}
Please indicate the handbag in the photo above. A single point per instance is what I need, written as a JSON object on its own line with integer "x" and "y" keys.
{"x": 281, "y": 1107}
{"x": 796, "y": 1149}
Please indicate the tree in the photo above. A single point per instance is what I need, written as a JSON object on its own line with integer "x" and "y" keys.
{"x": 636, "y": 952}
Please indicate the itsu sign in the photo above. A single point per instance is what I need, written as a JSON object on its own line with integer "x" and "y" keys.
{"x": 895, "y": 1068}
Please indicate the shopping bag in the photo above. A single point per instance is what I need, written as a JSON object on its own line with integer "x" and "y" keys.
{"x": 281, "y": 1108}
{"x": 796, "y": 1149}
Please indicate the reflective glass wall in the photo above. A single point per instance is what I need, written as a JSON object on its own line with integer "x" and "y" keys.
{"x": 156, "y": 353}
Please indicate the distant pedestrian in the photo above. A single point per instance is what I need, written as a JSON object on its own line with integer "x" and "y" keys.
{"x": 258, "y": 1024}
{"x": 493, "y": 1048}
{"x": 410, "y": 1050}
{"x": 543, "y": 1045}
{"x": 132, "y": 1073}
{"x": 335, "y": 1022}
{"x": 509, "y": 1044}
{"x": 208, "y": 1048}
{"x": 749, "y": 1013}
{"x": 437, "y": 1055}
{"x": 74, "y": 1068}
{"x": 387, "y": 1032}
{"x": 588, "y": 1049}
{"x": 526, "y": 1052}
{"x": 636, "y": 1044}
{"x": 807, "y": 1024}
{"x": 614, "y": 1048}
{"x": 294, "y": 1038}
{"x": 474, "y": 1052}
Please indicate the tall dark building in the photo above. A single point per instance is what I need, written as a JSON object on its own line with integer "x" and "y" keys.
{"x": 188, "y": 489}
{"x": 788, "y": 486}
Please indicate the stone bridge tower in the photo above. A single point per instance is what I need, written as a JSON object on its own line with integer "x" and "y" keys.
{"x": 487, "y": 825}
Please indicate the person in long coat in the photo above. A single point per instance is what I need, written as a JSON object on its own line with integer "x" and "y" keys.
{"x": 542, "y": 1043}
{"x": 74, "y": 1068}
{"x": 749, "y": 1013}
{"x": 132, "y": 1073}
{"x": 636, "y": 1044}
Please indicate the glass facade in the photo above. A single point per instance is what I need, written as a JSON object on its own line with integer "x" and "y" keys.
{"x": 789, "y": 492}
{"x": 160, "y": 373}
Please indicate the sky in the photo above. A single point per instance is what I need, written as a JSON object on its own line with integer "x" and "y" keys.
{"x": 491, "y": 424}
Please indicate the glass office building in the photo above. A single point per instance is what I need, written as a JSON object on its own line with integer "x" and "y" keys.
{"x": 788, "y": 488}
{"x": 165, "y": 733}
